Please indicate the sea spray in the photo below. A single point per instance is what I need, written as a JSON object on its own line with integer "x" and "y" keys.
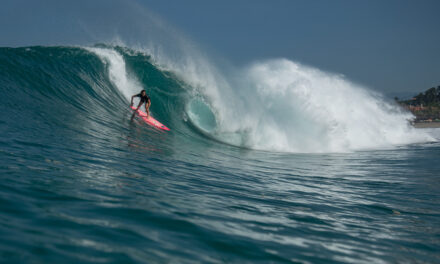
{"x": 280, "y": 105}
{"x": 286, "y": 106}
{"x": 118, "y": 75}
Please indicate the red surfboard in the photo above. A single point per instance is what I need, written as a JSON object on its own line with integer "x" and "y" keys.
{"x": 150, "y": 120}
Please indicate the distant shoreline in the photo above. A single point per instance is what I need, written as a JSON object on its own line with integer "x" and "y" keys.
{"x": 427, "y": 125}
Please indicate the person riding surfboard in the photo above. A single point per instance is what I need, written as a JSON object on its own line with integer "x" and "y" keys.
{"x": 144, "y": 99}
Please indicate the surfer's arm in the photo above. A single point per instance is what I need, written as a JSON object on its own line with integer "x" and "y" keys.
{"x": 131, "y": 104}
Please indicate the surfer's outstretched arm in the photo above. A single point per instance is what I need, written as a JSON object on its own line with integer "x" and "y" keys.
{"x": 131, "y": 104}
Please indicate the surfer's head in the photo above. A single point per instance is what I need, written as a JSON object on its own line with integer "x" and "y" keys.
{"x": 143, "y": 92}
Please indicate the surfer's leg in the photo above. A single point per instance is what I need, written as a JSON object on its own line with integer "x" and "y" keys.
{"x": 147, "y": 108}
{"x": 134, "y": 112}
{"x": 140, "y": 103}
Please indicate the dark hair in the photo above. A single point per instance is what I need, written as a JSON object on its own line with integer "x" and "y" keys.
{"x": 143, "y": 91}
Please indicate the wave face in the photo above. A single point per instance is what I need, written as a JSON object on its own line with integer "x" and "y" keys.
{"x": 276, "y": 105}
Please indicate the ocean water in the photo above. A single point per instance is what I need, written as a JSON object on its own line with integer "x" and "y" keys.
{"x": 273, "y": 163}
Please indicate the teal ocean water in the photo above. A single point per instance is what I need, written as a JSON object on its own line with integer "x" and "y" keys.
{"x": 276, "y": 163}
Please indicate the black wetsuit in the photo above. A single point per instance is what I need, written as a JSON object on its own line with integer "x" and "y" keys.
{"x": 144, "y": 99}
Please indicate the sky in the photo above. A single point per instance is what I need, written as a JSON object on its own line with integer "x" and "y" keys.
{"x": 391, "y": 46}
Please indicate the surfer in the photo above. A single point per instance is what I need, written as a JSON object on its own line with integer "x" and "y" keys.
{"x": 144, "y": 99}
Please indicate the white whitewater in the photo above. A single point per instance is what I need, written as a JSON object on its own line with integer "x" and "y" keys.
{"x": 286, "y": 106}
{"x": 127, "y": 84}
{"x": 280, "y": 105}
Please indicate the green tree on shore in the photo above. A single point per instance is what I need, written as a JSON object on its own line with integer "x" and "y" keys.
{"x": 425, "y": 106}
{"x": 430, "y": 97}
